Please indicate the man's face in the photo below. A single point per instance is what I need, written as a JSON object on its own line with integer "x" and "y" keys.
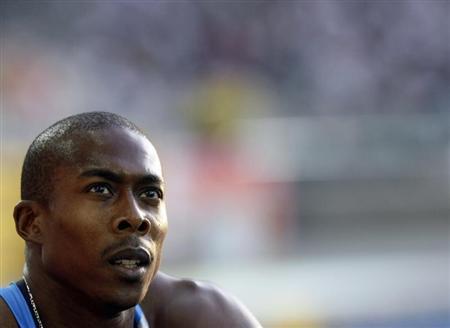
{"x": 106, "y": 218}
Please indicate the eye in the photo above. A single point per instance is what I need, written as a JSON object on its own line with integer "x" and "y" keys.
{"x": 151, "y": 194}
{"x": 100, "y": 188}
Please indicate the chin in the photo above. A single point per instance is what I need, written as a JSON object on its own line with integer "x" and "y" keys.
{"x": 123, "y": 295}
{"x": 130, "y": 290}
{"x": 123, "y": 302}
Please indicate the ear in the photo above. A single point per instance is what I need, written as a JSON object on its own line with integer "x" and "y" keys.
{"x": 28, "y": 215}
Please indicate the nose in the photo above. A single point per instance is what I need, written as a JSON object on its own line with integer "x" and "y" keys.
{"x": 134, "y": 220}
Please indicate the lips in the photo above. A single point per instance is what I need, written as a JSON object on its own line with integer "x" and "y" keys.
{"x": 130, "y": 258}
{"x": 130, "y": 264}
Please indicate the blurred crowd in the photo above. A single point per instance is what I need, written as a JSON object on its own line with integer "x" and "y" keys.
{"x": 318, "y": 57}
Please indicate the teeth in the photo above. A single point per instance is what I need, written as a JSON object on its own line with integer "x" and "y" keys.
{"x": 129, "y": 264}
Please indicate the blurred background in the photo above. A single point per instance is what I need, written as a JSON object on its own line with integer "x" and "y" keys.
{"x": 305, "y": 143}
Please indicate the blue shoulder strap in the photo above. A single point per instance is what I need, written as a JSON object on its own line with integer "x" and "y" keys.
{"x": 18, "y": 306}
{"x": 139, "y": 318}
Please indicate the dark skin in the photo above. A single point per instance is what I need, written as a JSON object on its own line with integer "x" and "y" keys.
{"x": 174, "y": 302}
{"x": 94, "y": 248}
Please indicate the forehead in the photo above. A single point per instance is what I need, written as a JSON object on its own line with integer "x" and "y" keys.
{"x": 117, "y": 149}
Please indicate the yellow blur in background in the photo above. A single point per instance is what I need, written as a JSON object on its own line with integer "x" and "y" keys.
{"x": 11, "y": 246}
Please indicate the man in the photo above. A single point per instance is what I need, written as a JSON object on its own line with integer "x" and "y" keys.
{"x": 93, "y": 218}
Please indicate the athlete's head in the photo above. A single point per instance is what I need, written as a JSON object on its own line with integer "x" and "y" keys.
{"x": 92, "y": 210}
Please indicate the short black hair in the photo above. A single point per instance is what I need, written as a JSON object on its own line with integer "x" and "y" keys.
{"x": 55, "y": 146}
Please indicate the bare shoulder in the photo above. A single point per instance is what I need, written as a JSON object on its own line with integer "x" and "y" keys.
{"x": 173, "y": 302}
{"x": 6, "y": 317}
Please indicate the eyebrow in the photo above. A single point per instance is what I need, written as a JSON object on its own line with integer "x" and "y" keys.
{"x": 118, "y": 178}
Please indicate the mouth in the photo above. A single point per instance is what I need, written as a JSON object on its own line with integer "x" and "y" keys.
{"x": 131, "y": 262}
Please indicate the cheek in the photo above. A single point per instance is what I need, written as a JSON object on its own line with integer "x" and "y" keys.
{"x": 160, "y": 227}
{"x": 72, "y": 240}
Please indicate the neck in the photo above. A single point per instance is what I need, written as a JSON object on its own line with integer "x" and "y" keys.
{"x": 61, "y": 306}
